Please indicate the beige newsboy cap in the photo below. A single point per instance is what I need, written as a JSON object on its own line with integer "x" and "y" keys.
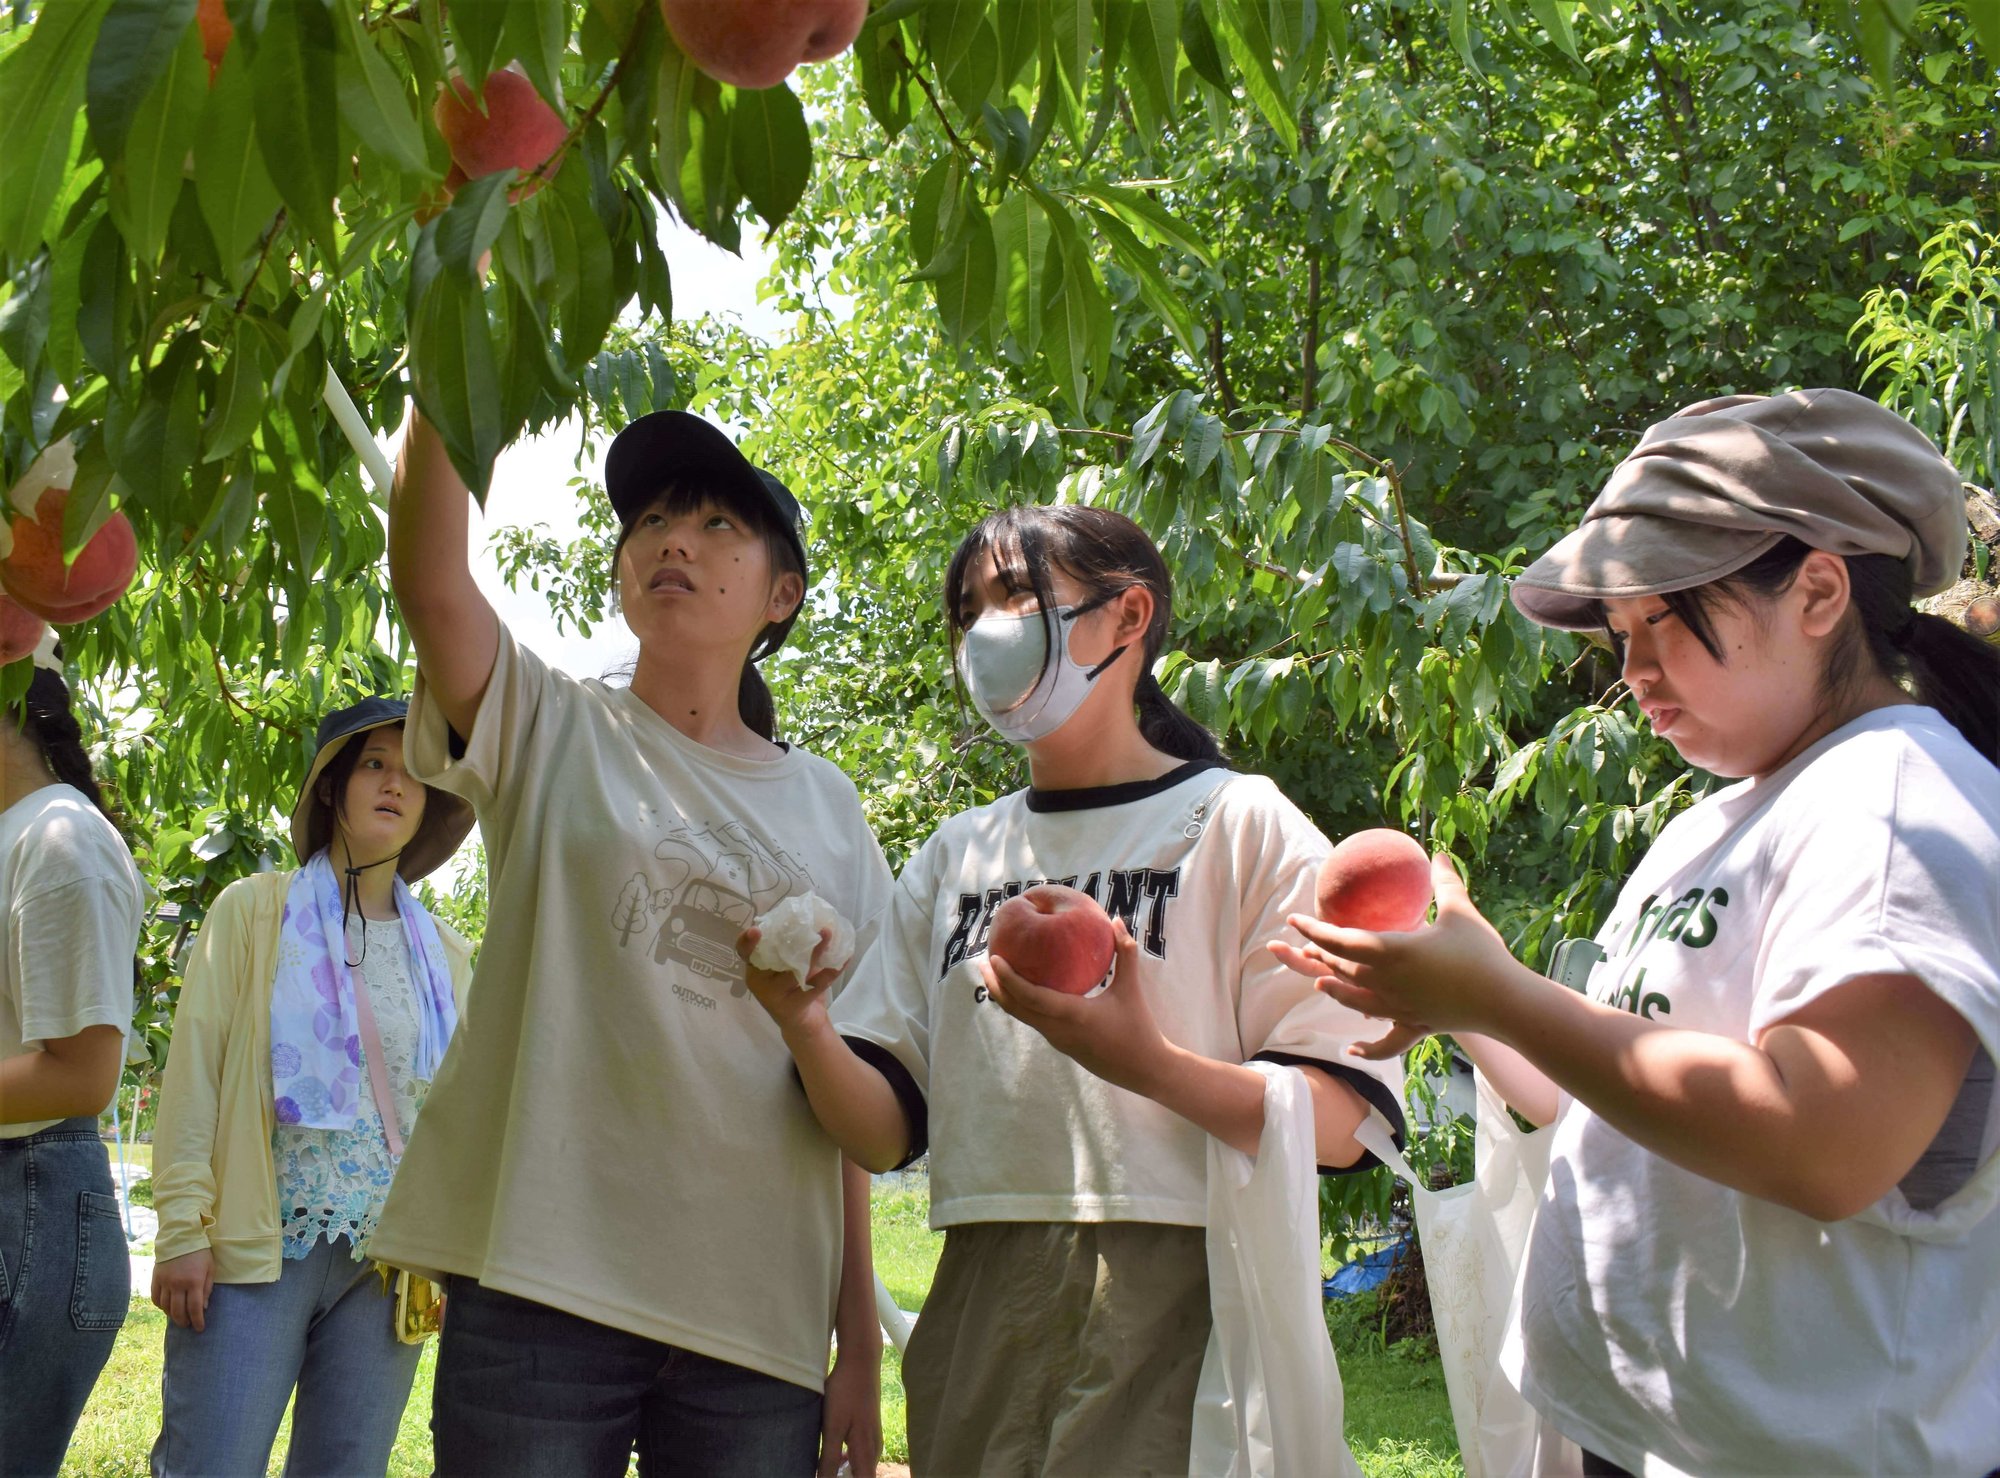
{"x": 1715, "y": 485}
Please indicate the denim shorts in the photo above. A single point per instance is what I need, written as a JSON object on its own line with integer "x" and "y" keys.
{"x": 64, "y": 1287}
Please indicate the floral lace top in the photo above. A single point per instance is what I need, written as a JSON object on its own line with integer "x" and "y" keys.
{"x": 332, "y": 1182}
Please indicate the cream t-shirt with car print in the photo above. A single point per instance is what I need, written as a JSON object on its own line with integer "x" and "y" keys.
{"x": 616, "y": 1129}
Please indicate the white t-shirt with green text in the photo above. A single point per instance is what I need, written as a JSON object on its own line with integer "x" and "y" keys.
{"x": 1668, "y": 1322}
{"x": 616, "y": 1129}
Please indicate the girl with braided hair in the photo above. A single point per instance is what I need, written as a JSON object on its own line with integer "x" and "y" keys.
{"x": 69, "y": 924}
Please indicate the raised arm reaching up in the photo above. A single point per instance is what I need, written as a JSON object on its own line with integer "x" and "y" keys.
{"x": 455, "y": 628}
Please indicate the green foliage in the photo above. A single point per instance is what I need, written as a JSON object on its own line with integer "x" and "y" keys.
{"x": 1350, "y": 303}
{"x": 1934, "y": 350}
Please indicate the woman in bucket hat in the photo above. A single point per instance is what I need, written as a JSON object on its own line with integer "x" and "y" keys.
{"x": 1769, "y": 1242}
{"x": 69, "y": 922}
{"x": 310, "y": 998}
{"x": 645, "y": 1235}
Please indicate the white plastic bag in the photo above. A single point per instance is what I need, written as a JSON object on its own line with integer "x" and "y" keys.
{"x": 1269, "y": 1402}
{"x": 1473, "y": 1239}
{"x": 790, "y": 932}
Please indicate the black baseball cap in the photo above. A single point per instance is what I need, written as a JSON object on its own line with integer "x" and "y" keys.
{"x": 674, "y": 446}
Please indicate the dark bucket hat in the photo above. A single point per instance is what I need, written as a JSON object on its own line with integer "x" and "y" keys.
{"x": 673, "y": 446}
{"x": 447, "y": 818}
{"x": 1717, "y": 484}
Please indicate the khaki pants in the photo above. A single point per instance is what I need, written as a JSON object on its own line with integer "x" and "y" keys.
{"x": 1059, "y": 1350}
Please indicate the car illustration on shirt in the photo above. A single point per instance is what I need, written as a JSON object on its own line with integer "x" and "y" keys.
{"x": 701, "y": 927}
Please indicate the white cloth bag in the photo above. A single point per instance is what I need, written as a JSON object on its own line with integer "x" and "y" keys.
{"x": 1473, "y": 1238}
{"x": 1269, "y": 1403}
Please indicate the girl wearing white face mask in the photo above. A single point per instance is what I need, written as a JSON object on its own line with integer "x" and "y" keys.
{"x": 1066, "y": 1328}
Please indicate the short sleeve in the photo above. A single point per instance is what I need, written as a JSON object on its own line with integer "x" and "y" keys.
{"x": 485, "y": 766}
{"x": 1892, "y": 872}
{"x": 1281, "y": 1018}
{"x": 72, "y": 949}
{"x": 72, "y": 929}
{"x": 884, "y": 1011}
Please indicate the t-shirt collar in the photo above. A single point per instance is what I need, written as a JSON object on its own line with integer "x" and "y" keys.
{"x": 1095, "y": 797}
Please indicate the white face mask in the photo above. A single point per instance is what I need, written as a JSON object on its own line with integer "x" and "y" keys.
{"x": 1004, "y": 660}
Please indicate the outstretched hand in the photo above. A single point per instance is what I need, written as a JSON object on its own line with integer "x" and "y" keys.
{"x": 1449, "y": 976}
{"x": 1112, "y": 1034}
{"x": 780, "y": 992}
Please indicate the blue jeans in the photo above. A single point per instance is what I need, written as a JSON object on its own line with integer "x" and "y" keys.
{"x": 325, "y": 1327}
{"x": 528, "y": 1391}
{"x": 64, "y": 1286}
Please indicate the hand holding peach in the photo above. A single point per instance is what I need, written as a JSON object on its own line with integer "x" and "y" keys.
{"x": 1113, "y": 1034}
{"x": 1448, "y": 977}
{"x": 797, "y": 1003}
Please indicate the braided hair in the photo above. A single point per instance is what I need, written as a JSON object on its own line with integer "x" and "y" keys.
{"x": 44, "y": 716}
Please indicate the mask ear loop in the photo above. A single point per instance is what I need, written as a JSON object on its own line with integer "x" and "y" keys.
{"x": 1085, "y": 609}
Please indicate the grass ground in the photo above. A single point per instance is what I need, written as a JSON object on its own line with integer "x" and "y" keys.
{"x": 1398, "y": 1420}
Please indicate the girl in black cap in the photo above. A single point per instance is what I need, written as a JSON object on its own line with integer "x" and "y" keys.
{"x": 313, "y": 1015}
{"x": 1770, "y": 1241}
{"x": 69, "y": 921}
{"x": 647, "y": 1237}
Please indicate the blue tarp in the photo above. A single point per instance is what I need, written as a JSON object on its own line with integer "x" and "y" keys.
{"x": 1364, "y": 1272}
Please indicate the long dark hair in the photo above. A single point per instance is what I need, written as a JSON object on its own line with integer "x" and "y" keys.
{"x": 1107, "y": 554}
{"x": 44, "y": 716}
{"x": 1950, "y": 669}
{"x": 753, "y": 698}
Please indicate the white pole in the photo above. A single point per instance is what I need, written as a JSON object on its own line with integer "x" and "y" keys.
{"x": 124, "y": 1176}
{"x": 348, "y": 418}
{"x": 895, "y": 1323}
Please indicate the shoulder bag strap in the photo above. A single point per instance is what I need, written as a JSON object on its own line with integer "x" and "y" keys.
{"x": 378, "y": 1071}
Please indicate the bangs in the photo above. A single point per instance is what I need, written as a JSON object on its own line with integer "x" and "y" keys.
{"x": 1019, "y": 546}
{"x": 677, "y": 498}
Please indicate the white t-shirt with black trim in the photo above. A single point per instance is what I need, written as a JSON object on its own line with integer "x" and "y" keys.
{"x": 1668, "y": 1322}
{"x": 1018, "y": 1131}
{"x": 69, "y": 923}
{"x": 616, "y": 1129}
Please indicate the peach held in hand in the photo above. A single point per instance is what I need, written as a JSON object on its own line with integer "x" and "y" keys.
{"x": 34, "y": 574}
{"x": 517, "y": 130}
{"x": 1378, "y": 880}
{"x": 757, "y": 43}
{"x": 19, "y": 631}
{"x": 1055, "y": 937}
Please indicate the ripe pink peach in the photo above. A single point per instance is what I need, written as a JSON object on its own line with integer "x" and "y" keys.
{"x": 1378, "y": 880}
{"x": 216, "y": 31}
{"x": 1055, "y": 937}
{"x": 35, "y": 576}
{"x": 20, "y": 629}
{"x": 516, "y": 130}
{"x": 758, "y": 43}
